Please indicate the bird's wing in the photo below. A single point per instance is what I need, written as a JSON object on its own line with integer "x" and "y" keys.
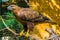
{"x": 32, "y": 16}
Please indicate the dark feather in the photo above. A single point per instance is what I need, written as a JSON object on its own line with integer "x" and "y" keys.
{"x": 34, "y": 16}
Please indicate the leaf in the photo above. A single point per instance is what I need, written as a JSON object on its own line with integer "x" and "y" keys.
{"x": 11, "y": 22}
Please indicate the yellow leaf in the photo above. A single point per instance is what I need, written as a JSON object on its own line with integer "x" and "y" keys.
{"x": 13, "y": 1}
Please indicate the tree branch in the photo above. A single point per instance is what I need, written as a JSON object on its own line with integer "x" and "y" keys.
{"x": 8, "y": 27}
{"x": 27, "y": 2}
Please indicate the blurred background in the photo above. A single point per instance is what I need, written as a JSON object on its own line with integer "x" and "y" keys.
{"x": 49, "y": 8}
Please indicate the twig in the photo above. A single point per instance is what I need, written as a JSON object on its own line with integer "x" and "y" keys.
{"x": 26, "y": 2}
{"x": 52, "y": 36}
{"x": 8, "y": 27}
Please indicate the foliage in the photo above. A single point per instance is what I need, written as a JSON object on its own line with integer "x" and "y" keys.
{"x": 50, "y": 8}
{"x": 11, "y": 22}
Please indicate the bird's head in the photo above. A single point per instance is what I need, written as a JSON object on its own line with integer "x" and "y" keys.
{"x": 13, "y": 8}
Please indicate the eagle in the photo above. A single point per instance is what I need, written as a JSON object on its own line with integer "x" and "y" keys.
{"x": 28, "y": 17}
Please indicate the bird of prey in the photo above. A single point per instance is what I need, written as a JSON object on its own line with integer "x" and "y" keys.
{"x": 27, "y": 16}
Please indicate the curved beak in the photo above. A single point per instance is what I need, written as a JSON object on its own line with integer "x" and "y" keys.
{"x": 9, "y": 8}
